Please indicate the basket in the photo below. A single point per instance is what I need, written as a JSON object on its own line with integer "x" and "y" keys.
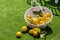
{"x": 30, "y": 12}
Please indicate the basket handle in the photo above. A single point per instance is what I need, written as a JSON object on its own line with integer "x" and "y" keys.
{"x": 41, "y": 10}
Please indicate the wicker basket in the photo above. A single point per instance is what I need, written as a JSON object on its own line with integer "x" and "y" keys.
{"x": 30, "y": 12}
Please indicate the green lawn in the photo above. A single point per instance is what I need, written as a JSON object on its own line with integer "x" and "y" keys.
{"x": 11, "y": 20}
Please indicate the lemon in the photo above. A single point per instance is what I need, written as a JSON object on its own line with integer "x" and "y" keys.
{"x": 28, "y": 16}
{"x": 18, "y": 34}
{"x": 37, "y": 30}
{"x": 41, "y": 22}
{"x": 29, "y": 20}
{"x": 40, "y": 18}
{"x": 31, "y": 31}
{"x": 47, "y": 19}
{"x": 45, "y": 16}
{"x": 48, "y": 14}
{"x": 24, "y": 28}
{"x": 35, "y": 33}
{"x": 35, "y": 21}
{"x": 37, "y": 16}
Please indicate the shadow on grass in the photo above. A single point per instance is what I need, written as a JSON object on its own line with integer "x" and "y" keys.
{"x": 49, "y": 30}
{"x": 18, "y": 37}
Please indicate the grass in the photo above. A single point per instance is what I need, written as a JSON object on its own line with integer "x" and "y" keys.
{"x": 11, "y": 20}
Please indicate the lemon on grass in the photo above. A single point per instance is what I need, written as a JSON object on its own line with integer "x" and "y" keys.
{"x": 24, "y": 28}
{"x": 31, "y": 31}
{"x": 37, "y": 30}
{"x": 18, "y": 34}
{"x": 35, "y": 33}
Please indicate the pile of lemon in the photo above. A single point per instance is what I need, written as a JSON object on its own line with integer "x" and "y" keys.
{"x": 39, "y": 19}
{"x": 32, "y": 31}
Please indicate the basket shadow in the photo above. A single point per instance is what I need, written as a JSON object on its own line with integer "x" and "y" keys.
{"x": 49, "y": 30}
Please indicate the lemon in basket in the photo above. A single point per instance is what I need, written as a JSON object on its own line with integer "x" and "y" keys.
{"x": 35, "y": 21}
{"x": 41, "y": 22}
{"x": 30, "y": 20}
{"x": 48, "y": 14}
{"x": 37, "y": 16}
{"x": 47, "y": 19}
{"x": 28, "y": 16}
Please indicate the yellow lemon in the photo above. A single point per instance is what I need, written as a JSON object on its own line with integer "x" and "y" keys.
{"x": 41, "y": 22}
{"x": 48, "y": 14}
{"x": 31, "y": 31}
{"x": 35, "y": 33}
{"x": 40, "y": 18}
{"x": 45, "y": 16}
{"x": 29, "y": 20}
{"x": 37, "y": 29}
{"x": 28, "y": 16}
{"x": 18, "y": 34}
{"x": 35, "y": 21}
{"x": 47, "y": 19}
{"x": 37, "y": 16}
{"x": 24, "y": 28}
